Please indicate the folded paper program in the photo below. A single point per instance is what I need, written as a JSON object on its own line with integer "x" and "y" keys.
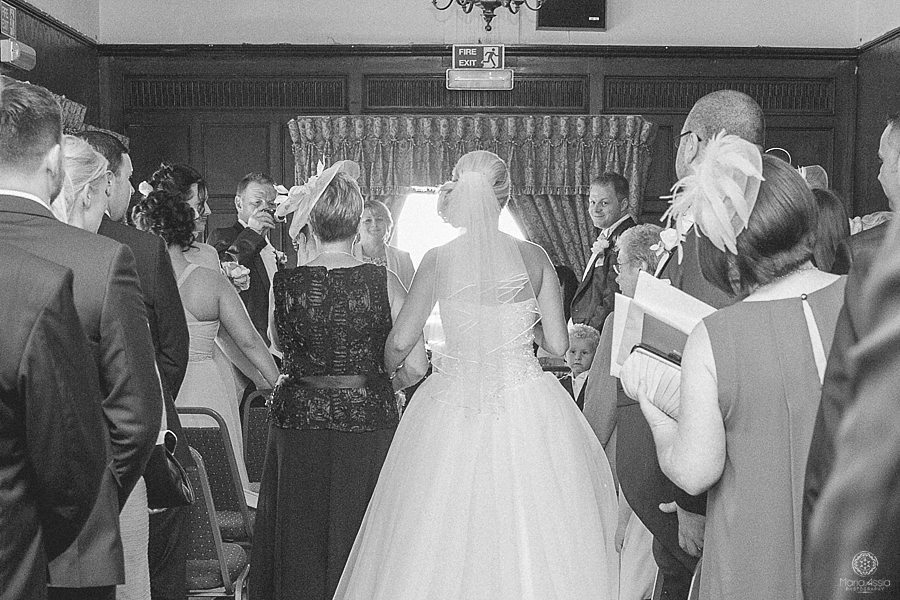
{"x": 659, "y": 317}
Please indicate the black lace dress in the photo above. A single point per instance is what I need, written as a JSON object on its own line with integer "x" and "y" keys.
{"x": 332, "y": 419}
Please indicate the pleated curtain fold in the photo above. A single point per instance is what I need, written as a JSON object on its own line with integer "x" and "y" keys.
{"x": 551, "y": 158}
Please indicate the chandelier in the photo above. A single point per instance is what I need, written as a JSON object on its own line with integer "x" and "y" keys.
{"x": 489, "y": 6}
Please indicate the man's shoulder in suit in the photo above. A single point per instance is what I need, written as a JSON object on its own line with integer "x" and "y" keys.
{"x": 861, "y": 249}
{"x": 224, "y": 234}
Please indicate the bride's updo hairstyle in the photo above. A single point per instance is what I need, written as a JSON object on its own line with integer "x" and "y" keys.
{"x": 491, "y": 166}
{"x": 167, "y": 214}
{"x": 336, "y": 215}
{"x": 779, "y": 237}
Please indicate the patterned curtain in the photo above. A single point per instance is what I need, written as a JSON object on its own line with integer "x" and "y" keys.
{"x": 551, "y": 158}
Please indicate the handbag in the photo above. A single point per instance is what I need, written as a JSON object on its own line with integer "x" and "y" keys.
{"x": 168, "y": 485}
{"x": 662, "y": 374}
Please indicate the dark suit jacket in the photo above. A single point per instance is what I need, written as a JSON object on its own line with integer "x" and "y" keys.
{"x": 243, "y": 245}
{"x": 854, "y": 465}
{"x": 595, "y": 296}
{"x": 643, "y": 482}
{"x": 108, "y": 300}
{"x": 857, "y": 255}
{"x": 53, "y": 440}
{"x": 168, "y": 328}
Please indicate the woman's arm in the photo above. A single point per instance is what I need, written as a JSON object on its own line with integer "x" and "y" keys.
{"x": 239, "y": 360}
{"x": 691, "y": 451}
{"x": 416, "y": 363}
{"x": 552, "y": 334}
{"x": 272, "y": 329}
{"x": 410, "y": 321}
{"x": 236, "y": 322}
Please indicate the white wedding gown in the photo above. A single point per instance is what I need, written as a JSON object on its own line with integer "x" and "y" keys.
{"x": 495, "y": 486}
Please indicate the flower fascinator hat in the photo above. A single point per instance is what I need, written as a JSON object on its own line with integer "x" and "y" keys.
{"x": 721, "y": 192}
{"x": 301, "y": 199}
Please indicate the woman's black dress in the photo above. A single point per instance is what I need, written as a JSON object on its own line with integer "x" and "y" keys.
{"x": 332, "y": 419}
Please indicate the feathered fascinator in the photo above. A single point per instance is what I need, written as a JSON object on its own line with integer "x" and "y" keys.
{"x": 302, "y": 198}
{"x": 720, "y": 194}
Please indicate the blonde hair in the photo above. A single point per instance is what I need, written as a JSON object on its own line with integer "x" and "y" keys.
{"x": 491, "y": 166}
{"x": 580, "y": 331}
{"x": 83, "y": 167}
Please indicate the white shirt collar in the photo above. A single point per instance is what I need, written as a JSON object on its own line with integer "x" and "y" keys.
{"x": 606, "y": 232}
{"x": 26, "y": 195}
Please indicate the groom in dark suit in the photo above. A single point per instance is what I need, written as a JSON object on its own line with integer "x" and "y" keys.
{"x": 108, "y": 301}
{"x": 52, "y": 433}
{"x": 171, "y": 341}
{"x": 247, "y": 243}
{"x": 595, "y": 295}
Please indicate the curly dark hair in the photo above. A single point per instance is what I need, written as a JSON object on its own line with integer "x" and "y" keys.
{"x": 166, "y": 213}
{"x": 177, "y": 178}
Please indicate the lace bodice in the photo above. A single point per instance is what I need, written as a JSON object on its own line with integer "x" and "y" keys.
{"x": 333, "y": 323}
{"x": 488, "y": 350}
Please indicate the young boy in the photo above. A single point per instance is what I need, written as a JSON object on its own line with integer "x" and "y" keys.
{"x": 583, "y": 341}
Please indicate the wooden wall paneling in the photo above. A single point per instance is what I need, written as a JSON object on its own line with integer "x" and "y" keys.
{"x": 878, "y": 96}
{"x": 67, "y": 61}
{"x": 154, "y": 143}
{"x": 230, "y": 151}
{"x": 808, "y": 95}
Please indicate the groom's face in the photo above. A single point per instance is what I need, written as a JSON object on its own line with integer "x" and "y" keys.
{"x": 605, "y": 209}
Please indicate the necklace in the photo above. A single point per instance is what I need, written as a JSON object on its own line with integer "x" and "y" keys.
{"x": 808, "y": 267}
{"x": 335, "y": 252}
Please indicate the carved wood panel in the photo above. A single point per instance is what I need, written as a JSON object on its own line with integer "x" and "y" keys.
{"x": 677, "y": 95}
{"x": 429, "y": 93}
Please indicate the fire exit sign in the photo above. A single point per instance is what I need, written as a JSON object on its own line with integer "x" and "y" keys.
{"x": 478, "y": 56}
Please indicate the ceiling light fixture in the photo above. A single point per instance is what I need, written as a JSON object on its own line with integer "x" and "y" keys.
{"x": 489, "y": 6}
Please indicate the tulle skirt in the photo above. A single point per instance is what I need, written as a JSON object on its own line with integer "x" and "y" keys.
{"x": 517, "y": 504}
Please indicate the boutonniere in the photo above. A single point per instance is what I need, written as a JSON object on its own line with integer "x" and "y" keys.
{"x": 145, "y": 189}
{"x": 280, "y": 258}
{"x": 671, "y": 238}
{"x": 599, "y": 248}
{"x": 237, "y": 274}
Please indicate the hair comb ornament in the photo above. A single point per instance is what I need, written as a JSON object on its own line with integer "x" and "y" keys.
{"x": 301, "y": 199}
{"x": 815, "y": 176}
{"x": 721, "y": 192}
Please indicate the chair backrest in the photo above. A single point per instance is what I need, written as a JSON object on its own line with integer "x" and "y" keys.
{"x": 213, "y": 440}
{"x": 256, "y": 432}
{"x": 204, "y": 539}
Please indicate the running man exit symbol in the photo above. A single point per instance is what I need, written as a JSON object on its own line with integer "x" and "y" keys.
{"x": 491, "y": 58}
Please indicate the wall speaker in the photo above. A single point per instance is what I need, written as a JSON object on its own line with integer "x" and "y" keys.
{"x": 572, "y": 14}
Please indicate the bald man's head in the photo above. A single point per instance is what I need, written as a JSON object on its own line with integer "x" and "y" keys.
{"x": 734, "y": 112}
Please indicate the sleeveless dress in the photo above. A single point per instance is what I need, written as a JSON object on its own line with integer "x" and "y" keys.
{"x": 769, "y": 392}
{"x": 332, "y": 418}
{"x": 205, "y": 385}
{"x": 510, "y": 497}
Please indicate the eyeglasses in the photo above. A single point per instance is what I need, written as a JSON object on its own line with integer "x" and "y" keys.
{"x": 677, "y": 140}
{"x": 616, "y": 268}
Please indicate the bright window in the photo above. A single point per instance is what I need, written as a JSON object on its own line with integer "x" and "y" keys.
{"x": 420, "y": 229}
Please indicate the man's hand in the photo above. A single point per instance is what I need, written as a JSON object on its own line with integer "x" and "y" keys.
{"x": 690, "y": 528}
{"x": 261, "y": 221}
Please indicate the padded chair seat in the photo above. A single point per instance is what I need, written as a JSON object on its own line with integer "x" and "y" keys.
{"x": 205, "y": 574}
{"x": 255, "y": 485}
{"x": 231, "y": 524}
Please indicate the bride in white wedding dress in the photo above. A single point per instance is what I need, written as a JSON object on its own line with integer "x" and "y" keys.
{"x": 495, "y": 486}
